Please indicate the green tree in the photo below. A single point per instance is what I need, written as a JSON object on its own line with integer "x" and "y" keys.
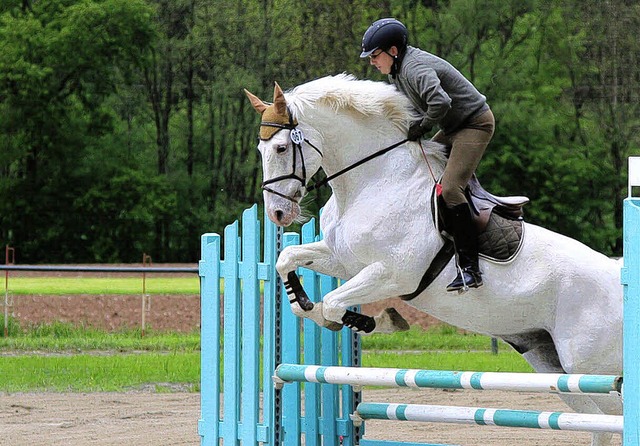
{"x": 604, "y": 95}
{"x": 59, "y": 62}
{"x": 146, "y": 95}
{"x": 122, "y": 210}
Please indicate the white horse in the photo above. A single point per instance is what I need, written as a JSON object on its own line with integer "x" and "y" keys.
{"x": 558, "y": 302}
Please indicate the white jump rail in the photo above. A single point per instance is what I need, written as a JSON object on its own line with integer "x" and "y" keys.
{"x": 389, "y": 377}
{"x": 489, "y": 417}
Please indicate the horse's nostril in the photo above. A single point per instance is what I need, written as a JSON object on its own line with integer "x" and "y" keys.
{"x": 279, "y": 215}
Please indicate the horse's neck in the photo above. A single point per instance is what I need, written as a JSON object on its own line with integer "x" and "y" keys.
{"x": 396, "y": 167}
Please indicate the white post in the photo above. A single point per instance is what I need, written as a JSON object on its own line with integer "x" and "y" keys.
{"x": 634, "y": 173}
{"x": 630, "y": 278}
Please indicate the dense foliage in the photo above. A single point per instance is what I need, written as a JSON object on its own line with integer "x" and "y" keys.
{"x": 124, "y": 128}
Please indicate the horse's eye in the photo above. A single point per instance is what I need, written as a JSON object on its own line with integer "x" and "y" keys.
{"x": 281, "y": 149}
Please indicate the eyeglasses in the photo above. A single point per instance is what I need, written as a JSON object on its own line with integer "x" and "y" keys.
{"x": 374, "y": 56}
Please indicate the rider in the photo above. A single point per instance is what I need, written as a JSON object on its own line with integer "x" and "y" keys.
{"x": 444, "y": 98}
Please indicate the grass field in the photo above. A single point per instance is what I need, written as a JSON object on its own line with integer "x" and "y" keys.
{"x": 100, "y": 372}
{"x": 60, "y": 357}
{"x": 64, "y": 357}
{"x": 103, "y": 285}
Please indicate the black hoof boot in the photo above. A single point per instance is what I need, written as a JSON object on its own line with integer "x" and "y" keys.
{"x": 466, "y": 278}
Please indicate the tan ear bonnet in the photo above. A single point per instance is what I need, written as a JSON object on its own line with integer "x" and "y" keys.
{"x": 275, "y": 116}
{"x": 271, "y": 116}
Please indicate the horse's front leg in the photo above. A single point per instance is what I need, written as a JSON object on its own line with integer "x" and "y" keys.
{"x": 369, "y": 285}
{"x": 373, "y": 283}
{"x": 318, "y": 257}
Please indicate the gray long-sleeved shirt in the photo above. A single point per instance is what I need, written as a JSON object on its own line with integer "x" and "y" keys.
{"x": 437, "y": 90}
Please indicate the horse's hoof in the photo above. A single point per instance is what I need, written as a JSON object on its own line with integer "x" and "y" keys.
{"x": 333, "y": 326}
{"x": 315, "y": 314}
{"x": 389, "y": 321}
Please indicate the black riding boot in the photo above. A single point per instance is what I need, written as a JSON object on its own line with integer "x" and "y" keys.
{"x": 466, "y": 244}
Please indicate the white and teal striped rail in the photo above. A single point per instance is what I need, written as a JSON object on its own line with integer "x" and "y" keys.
{"x": 489, "y": 417}
{"x": 517, "y": 382}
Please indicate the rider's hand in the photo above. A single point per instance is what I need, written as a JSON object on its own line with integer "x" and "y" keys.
{"x": 416, "y": 130}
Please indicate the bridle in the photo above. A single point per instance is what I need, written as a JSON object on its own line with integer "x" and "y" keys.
{"x": 297, "y": 138}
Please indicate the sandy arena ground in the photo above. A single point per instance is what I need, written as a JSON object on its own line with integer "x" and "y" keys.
{"x": 148, "y": 419}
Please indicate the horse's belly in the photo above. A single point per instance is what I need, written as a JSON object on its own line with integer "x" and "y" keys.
{"x": 482, "y": 313}
{"x": 555, "y": 284}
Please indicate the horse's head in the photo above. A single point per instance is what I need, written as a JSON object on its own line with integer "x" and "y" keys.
{"x": 286, "y": 164}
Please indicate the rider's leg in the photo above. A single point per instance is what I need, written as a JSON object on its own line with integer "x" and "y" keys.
{"x": 466, "y": 244}
{"x": 467, "y": 147}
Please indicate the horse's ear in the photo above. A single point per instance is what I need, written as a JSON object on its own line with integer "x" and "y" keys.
{"x": 278, "y": 101}
{"x": 256, "y": 102}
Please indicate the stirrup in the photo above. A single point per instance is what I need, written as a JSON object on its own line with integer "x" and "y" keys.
{"x": 466, "y": 278}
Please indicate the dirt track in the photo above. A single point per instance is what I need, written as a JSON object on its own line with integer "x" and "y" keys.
{"x": 167, "y": 312}
{"x": 152, "y": 419}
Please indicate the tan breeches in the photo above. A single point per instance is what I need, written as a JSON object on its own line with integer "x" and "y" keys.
{"x": 467, "y": 147}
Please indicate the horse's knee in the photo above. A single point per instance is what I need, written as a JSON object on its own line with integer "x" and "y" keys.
{"x": 332, "y": 312}
{"x": 316, "y": 314}
{"x": 298, "y": 311}
{"x": 285, "y": 263}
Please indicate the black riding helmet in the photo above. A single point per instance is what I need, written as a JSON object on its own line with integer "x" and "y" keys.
{"x": 383, "y": 34}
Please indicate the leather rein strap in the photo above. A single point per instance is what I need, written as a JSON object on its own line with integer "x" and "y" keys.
{"x": 356, "y": 164}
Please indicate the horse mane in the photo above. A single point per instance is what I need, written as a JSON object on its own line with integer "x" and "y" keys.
{"x": 344, "y": 92}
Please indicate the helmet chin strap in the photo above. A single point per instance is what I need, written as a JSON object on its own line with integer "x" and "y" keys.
{"x": 397, "y": 61}
{"x": 395, "y": 67}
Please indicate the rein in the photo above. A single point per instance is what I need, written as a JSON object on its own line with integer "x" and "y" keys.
{"x": 356, "y": 164}
{"x": 297, "y": 138}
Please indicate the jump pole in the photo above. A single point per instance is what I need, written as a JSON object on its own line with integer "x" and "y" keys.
{"x": 515, "y": 382}
{"x": 441, "y": 379}
{"x": 489, "y": 417}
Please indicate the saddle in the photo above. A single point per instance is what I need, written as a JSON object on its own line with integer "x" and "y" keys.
{"x": 499, "y": 222}
{"x": 484, "y": 204}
